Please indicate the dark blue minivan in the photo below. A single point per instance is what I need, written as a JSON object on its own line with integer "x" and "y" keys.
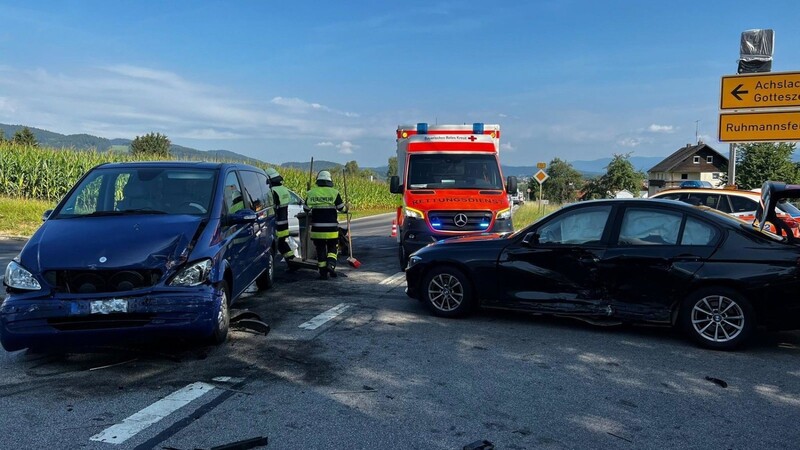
{"x": 141, "y": 250}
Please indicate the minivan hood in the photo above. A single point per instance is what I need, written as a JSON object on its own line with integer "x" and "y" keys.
{"x": 142, "y": 241}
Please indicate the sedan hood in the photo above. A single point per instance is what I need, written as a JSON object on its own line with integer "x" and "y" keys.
{"x": 147, "y": 242}
{"x": 481, "y": 237}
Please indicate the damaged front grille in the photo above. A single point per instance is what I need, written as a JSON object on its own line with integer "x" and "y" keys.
{"x": 98, "y": 281}
{"x": 100, "y": 322}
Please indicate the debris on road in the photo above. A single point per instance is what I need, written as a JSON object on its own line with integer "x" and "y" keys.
{"x": 113, "y": 365}
{"x": 248, "y": 321}
{"x": 717, "y": 381}
{"x": 479, "y": 445}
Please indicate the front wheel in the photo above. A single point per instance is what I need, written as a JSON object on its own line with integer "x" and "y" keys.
{"x": 447, "y": 292}
{"x": 222, "y": 318}
{"x": 718, "y": 318}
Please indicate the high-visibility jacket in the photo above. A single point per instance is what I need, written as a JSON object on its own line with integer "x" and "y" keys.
{"x": 324, "y": 202}
{"x": 281, "y": 197}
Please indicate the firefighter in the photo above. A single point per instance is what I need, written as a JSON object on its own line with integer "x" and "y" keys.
{"x": 281, "y": 199}
{"x": 324, "y": 201}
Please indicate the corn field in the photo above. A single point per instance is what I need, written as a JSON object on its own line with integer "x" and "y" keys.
{"x": 48, "y": 174}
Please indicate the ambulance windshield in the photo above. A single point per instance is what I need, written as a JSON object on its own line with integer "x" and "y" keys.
{"x": 453, "y": 171}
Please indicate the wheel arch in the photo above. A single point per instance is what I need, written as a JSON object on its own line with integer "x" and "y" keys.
{"x": 456, "y": 265}
{"x": 710, "y": 283}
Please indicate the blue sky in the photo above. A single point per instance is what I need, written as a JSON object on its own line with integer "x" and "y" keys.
{"x": 284, "y": 81}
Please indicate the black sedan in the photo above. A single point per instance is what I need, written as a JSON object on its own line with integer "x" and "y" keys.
{"x": 632, "y": 260}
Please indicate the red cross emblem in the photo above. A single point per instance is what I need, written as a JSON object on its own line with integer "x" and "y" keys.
{"x": 472, "y": 138}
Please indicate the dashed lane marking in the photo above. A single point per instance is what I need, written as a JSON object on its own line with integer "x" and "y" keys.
{"x": 121, "y": 432}
{"x": 394, "y": 278}
{"x": 319, "y": 320}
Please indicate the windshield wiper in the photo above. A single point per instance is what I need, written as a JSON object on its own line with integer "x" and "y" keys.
{"x": 142, "y": 211}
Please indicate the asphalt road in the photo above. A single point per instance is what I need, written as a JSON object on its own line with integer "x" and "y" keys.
{"x": 384, "y": 373}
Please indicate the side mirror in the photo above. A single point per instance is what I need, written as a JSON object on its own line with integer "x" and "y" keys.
{"x": 46, "y": 214}
{"x": 530, "y": 239}
{"x": 511, "y": 184}
{"x": 394, "y": 185}
{"x": 242, "y": 216}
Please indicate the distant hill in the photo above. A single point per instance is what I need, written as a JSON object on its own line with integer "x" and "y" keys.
{"x": 87, "y": 142}
{"x": 598, "y": 166}
{"x": 318, "y": 165}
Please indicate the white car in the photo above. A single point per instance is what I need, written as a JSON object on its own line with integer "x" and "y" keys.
{"x": 295, "y": 207}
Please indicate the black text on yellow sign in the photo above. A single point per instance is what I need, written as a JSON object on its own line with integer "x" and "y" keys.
{"x": 763, "y": 90}
{"x": 783, "y": 126}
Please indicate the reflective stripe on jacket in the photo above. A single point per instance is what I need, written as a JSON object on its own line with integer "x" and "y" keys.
{"x": 323, "y": 202}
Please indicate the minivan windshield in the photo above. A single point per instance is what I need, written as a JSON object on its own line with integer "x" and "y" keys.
{"x": 453, "y": 171}
{"x": 141, "y": 190}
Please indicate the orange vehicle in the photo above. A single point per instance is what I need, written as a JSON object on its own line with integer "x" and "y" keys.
{"x": 451, "y": 183}
{"x": 738, "y": 203}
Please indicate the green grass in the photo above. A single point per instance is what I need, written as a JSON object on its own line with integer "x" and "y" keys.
{"x": 21, "y": 217}
{"x": 529, "y": 212}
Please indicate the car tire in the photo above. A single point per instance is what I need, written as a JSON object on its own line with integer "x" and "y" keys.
{"x": 403, "y": 256}
{"x": 222, "y": 318}
{"x": 267, "y": 277}
{"x": 718, "y": 318}
{"x": 447, "y": 292}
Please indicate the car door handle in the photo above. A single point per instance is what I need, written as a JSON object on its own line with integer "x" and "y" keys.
{"x": 687, "y": 258}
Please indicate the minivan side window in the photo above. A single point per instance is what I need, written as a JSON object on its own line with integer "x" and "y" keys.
{"x": 255, "y": 187}
{"x": 234, "y": 201}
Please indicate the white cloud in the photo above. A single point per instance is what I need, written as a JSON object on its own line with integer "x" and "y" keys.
{"x": 346, "y": 147}
{"x": 629, "y": 142}
{"x": 507, "y": 146}
{"x": 653, "y": 128}
{"x": 325, "y": 144}
{"x": 302, "y": 106}
{"x": 123, "y": 101}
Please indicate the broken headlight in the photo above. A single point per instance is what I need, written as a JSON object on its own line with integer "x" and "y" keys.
{"x": 193, "y": 274}
{"x": 18, "y": 277}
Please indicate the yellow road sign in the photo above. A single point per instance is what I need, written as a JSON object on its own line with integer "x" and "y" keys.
{"x": 762, "y": 90}
{"x": 541, "y": 165}
{"x": 541, "y": 176}
{"x": 780, "y": 126}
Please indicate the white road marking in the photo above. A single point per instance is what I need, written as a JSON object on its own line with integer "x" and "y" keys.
{"x": 231, "y": 380}
{"x": 121, "y": 432}
{"x": 317, "y": 321}
{"x": 394, "y": 278}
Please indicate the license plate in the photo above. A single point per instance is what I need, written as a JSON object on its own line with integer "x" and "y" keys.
{"x": 109, "y": 306}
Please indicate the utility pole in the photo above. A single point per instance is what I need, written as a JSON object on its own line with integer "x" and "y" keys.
{"x": 755, "y": 56}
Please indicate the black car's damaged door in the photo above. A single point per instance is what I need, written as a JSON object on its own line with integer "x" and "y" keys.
{"x": 555, "y": 267}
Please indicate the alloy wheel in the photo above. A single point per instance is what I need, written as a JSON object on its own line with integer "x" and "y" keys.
{"x": 717, "y": 318}
{"x": 445, "y": 291}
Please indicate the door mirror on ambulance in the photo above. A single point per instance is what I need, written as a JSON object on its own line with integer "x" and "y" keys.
{"x": 394, "y": 185}
{"x": 511, "y": 185}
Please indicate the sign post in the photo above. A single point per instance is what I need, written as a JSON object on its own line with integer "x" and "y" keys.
{"x": 541, "y": 176}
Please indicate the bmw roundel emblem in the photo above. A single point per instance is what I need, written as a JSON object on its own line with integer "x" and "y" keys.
{"x": 103, "y": 259}
{"x": 460, "y": 220}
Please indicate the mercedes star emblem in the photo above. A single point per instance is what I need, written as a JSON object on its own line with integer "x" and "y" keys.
{"x": 460, "y": 220}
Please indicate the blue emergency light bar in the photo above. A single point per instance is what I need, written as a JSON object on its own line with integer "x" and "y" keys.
{"x": 422, "y": 128}
{"x": 477, "y": 128}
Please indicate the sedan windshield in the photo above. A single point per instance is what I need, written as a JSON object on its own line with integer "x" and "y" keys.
{"x": 453, "y": 171}
{"x": 138, "y": 190}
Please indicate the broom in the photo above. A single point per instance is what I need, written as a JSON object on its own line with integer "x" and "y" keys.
{"x": 352, "y": 261}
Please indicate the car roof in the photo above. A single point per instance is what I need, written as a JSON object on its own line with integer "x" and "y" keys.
{"x": 735, "y": 192}
{"x": 705, "y": 211}
{"x": 178, "y": 164}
